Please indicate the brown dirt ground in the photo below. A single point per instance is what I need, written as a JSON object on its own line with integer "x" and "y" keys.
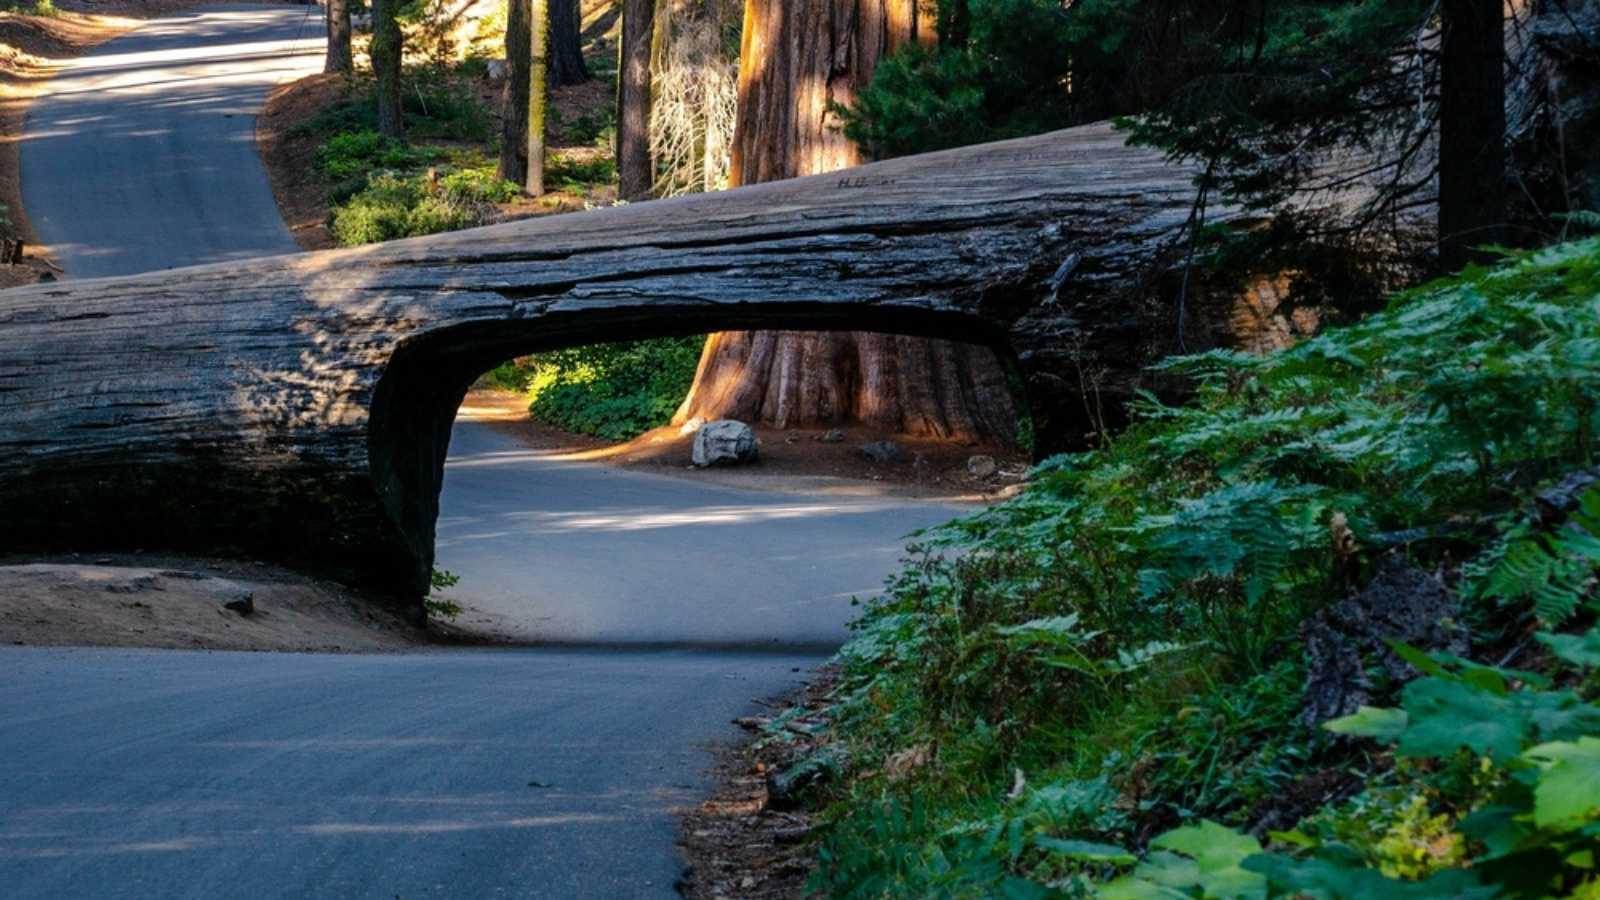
{"x": 302, "y": 191}
{"x": 737, "y": 845}
{"x": 31, "y": 47}
{"x": 791, "y": 460}
{"x": 134, "y": 600}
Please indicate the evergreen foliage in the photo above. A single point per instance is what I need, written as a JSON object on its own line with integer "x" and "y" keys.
{"x": 616, "y": 391}
{"x": 1123, "y": 639}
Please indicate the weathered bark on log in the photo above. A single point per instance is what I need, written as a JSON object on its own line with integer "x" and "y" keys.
{"x": 298, "y": 408}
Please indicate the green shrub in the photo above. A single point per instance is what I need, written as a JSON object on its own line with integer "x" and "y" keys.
{"x": 1127, "y": 629}
{"x": 392, "y": 206}
{"x": 353, "y": 154}
{"x": 615, "y": 391}
{"x": 570, "y": 173}
{"x": 481, "y": 185}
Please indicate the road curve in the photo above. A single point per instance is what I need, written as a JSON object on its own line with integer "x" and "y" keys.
{"x": 142, "y": 155}
{"x": 566, "y": 552}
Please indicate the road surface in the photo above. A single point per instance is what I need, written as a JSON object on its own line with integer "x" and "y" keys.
{"x": 143, "y": 155}
{"x": 513, "y": 773}
{"x": 517, "y": 773}
{"x": 575, "y": 552}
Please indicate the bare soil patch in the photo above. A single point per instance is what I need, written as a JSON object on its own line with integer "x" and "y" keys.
{"x": 173, "y": 602}
{"x": 31, "y": 48}
{"x": 791, "y": 460}
{"x": 738, "y": 843}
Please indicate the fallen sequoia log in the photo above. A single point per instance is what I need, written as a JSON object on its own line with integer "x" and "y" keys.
{"x": 298, "y": 408}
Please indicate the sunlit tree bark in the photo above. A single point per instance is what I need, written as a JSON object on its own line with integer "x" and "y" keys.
{"x": 538, "y": 92}
{"x": 799, "y": 59}
{"x": 514, "y": 100}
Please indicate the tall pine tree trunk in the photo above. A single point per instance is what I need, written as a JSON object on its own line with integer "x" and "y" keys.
{"x": 514, "y": 101}
{"x": 386, "y": 55}
{"x": 566, "y": 44}
{"x": 538, "y": 93}
{"x": 634, "y": 170}
{"x": 798, "y": 59}
{"x": 1472, "y": 129}
{"x": 340, "y": 59}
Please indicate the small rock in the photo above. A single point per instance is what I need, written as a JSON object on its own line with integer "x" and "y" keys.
{"x": 244, "y": 607}
{"x": 692, "y": 426}
{"x": 883, "y": 452}
{"x": 981, "y": 466}
{"x": 725, "y": 443}
{"x": 832, "y": 436}
{"x": 135, "y": 585}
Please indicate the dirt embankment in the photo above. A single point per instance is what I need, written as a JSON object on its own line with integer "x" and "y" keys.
{"x": 136, "y": 601}
{"x": 31, "y": 48}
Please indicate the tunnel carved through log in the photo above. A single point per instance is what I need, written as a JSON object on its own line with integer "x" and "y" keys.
{"x": 298, "y": 408}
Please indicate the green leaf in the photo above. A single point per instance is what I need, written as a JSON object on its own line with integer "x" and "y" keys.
{"x": 1568, "y": 793}
{"x": 1217, "y": 850}
{"x": 1582, "y": 651}
{"x": 1086, "y": 850}
{"x": 1445, "y": 716}
{"x": 1372, "y": 722}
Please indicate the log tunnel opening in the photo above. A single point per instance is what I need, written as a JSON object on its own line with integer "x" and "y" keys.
{"x": 415, "y": 402}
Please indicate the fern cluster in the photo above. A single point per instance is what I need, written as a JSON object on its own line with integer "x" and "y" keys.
{"x": 1131, "y": 621}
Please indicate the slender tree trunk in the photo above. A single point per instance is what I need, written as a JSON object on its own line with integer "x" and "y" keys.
{"x": 566, "y": 44}
{"x": 340, "y": 59}
{"x": 633, "y": 100}
{"x": 538, "y": 92}
{"x": 386, "y": 53}
{"x": 1472, "y": 129}
{"x": 798, "y": 59}
{"x": 514, "y": 100}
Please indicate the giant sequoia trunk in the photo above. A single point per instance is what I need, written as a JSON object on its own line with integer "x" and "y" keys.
{"x": 298, "y": 408}
{"x": 566, "y": 44}
{"x": 800, "y": 59}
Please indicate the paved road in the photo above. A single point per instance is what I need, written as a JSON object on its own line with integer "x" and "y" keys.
{"x": 143, "y": 154}
{"x": 130, "y": 774}
{"x": 574, "y": 552}
{"x": 167, "y": 774}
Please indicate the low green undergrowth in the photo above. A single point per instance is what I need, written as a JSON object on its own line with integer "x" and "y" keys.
{"x": 1097, "y": 687}
{"x": 389, "y": 206}
{"x": 616, "y": 391}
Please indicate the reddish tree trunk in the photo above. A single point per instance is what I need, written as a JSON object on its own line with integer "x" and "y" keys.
{"x": 800, "y": 59}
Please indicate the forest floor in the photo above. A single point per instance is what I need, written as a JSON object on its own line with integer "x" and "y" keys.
{"x": 289, "y": 138}
{"x": 31, "y": 48}
{"x": 792, "y": 460}
{"x": 138, "y": 600}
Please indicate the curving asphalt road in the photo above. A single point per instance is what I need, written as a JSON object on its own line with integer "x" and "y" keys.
{"x": 517, "y": 773}
{"x": 143, "y": 154}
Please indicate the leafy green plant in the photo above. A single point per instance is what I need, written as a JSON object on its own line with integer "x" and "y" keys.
{"x": 615, "y": 391}
{"x": 352, "y": 154}
{"x": 577, "y": 174}
{"x": 1129, "y": 627}
{"x": 439, "y": 607}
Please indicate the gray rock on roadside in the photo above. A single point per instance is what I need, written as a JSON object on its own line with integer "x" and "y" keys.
{"x": 981, "y": 466}
{"x": 883, "y": 452}
{"x": 725, "y": 442}
{"x": 831, "y": 436}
